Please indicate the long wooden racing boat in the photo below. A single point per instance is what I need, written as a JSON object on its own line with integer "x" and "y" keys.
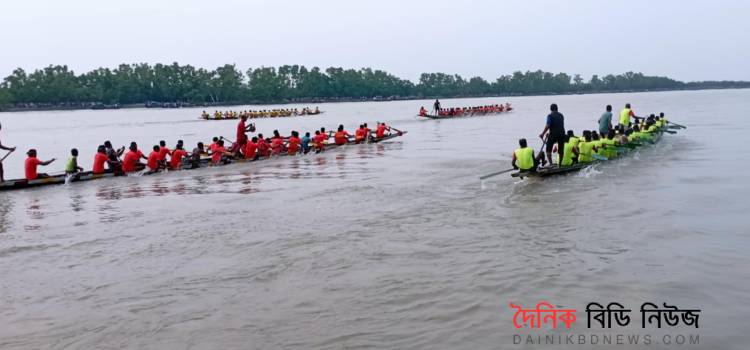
{"x": 560, "y": 170}
{"x": 60, "y": 179}
{"x": 262, "y": 116}
{"x": 470, "y": 114}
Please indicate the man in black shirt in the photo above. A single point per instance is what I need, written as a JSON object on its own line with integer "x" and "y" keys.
{"x": 556, "y": 127}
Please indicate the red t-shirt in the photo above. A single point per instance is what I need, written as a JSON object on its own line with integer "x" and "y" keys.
{"x": 381, "y": 131}
{"x": 99, "y": 160}
{"x": 263, "y": 148}
{"x": 30, "y": 167}
{"x": 359, "y": 135}
{"x": 217, "y": 153}
{"x": 240, "y": 130}
{"x": 251, "y": 149}
{"x": 153, "y": 160}
{"x": 130, "y": 160}
{"x": 293, "y": 145}
{"x": 340, "y": 137}
{"x": 176, "y": 161}
{"x": 277, "y": 144}
{"x": 163, "y": 153}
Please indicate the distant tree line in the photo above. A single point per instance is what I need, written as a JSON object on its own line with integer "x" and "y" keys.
{"x": 143, "y": 83}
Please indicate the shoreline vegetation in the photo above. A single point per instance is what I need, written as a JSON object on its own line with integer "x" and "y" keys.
{"x": 174, "y": 86}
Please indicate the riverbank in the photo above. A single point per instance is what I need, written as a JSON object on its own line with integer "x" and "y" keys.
{"x": 173, "y": 105}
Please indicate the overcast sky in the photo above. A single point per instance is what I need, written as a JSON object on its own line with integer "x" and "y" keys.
{"x": 686, "y": 40}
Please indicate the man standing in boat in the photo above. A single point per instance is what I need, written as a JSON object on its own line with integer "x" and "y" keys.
{"x": 5, "y": 148}
{"x": 241, "y": 138}
{"x": 605, "y": 122}
{"x": 556, "y": 127}
{"x": 436, "y": 106}
{"x": 625, "y": 115}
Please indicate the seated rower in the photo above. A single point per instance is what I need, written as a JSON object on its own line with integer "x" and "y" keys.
{"x": 154, "y": 162}
{"x": 277, "y": 144}
{"x": 422, "y": 111}
{"x": 341, "y": 137}
{"x": 598, "y": 143}
{"x": 213, "y": 144}
{"x": 319, "y": 141}
{"x": 639, "y": 136}
{"x": 71, "y": 167}
{"x": 368, "y": 131}
{"x": 380, "y": 130}
{"x": 131, "y": 161}
{"x": 99, "y": 160}
{"x": 163, "y": 151}
{"x": 609, "y": 146}
{"x": 251, "y": 149}
{"x": 175, "y": 162}
{"x": 305, "y": 143}
{"x": 293, "y": 145}
{"x": 195, "y": 156}
{"x": 523, "y": 157}
{"x": 31, "y": 163}
{"x": 570, "y": 152}
{"x": 264, "y": 150}
{"x": 219, "y": 153}
{"x": 572, "y": 138}
{"x": 361, "y": 134}
{"x": 586, "y": 149}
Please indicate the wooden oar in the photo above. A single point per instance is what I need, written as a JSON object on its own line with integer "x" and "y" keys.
{"x": 6, "y": 156}
{"x": 484, "y": 177}
{"x": 678, "y": 125}
{"x": 224, "y": 138}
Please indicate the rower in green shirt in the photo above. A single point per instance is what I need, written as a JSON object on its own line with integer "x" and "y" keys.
{"x": 586, "y": 149}
{"x": 71, "y": 167}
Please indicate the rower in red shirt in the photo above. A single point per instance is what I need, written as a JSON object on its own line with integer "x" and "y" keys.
{"x": 319, "y": 141}
{"x": 422, "y": 111}
{"x": 293, "y": 144}
{"x": 131, "y": 160}
{"x": 264, "y": 150}
{"x": 100, "y": 159}
{"x": 218, "y": 152}
{"x": 368, "y": 131}
{"x": 277, "y": 143}
{"x": 251, "y": 149}
{"x": 163, "y": 151}
{"x": 380, "y": 131}
{"x": 176, "y": 161}
{"x": 341, "y": 137}
{"x": 154, "y": 160}
{"x": 359, "y": 134}
{"x": 31, "y": 163}
{"x": 213, "y": 144}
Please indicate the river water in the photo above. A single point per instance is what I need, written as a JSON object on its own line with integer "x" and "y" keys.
{"x": 390, "y": 246}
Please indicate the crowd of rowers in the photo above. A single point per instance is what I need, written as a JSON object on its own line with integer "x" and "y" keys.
{"x": 592, "y": 145}
{"x": 462, "y": 111}
{"x": 120, "y": 161}
{"x": 271, "y": 113}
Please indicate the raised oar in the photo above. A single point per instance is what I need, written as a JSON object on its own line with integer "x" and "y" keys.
{"x": 6, "y": 156}
{"x": 484, "y": 177}
{"x": 224, "y": 138}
